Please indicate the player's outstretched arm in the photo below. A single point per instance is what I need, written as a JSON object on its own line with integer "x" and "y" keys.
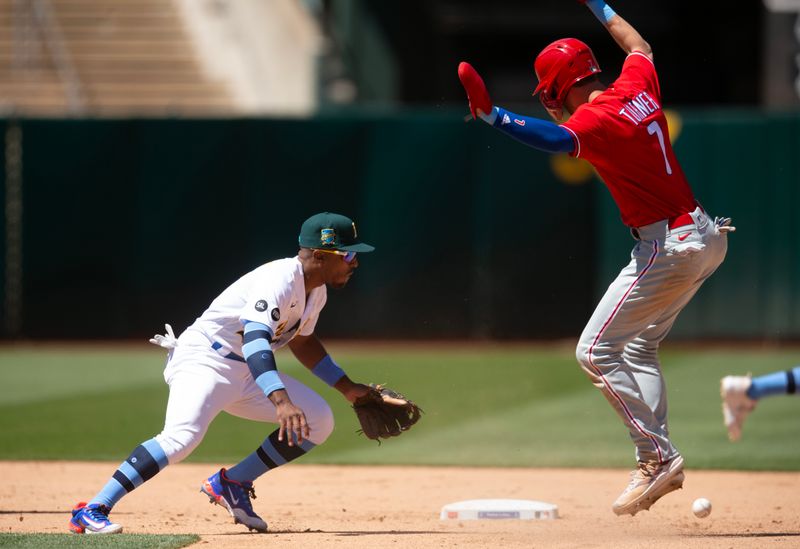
{"x": 620, "y": 30}
{"x": 312, "y": 354}
{"x": 536, "y": 133}
{"x": 381, "y": 412}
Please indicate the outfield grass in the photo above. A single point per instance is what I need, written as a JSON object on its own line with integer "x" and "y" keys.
{"x": 119, "y": 541}
{"x": 493, "y": 405}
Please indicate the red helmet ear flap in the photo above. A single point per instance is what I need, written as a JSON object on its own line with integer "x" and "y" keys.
{"x": 549, "y": 100}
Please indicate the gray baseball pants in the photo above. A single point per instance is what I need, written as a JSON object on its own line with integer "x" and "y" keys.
{"x": 618, "y": 349}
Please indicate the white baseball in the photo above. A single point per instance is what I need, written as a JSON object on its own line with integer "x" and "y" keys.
{"x": 701, "y": 507}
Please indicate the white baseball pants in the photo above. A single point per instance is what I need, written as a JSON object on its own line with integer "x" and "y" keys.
{"x": 202, "y": 384}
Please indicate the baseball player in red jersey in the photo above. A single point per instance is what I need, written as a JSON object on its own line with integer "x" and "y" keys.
{"x": 621, "y": 130}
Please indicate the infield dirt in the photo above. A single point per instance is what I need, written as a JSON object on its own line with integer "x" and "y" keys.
{"x": 386, "y": 506}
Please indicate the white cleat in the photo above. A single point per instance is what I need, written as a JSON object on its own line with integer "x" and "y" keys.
{"x": 92, "y": 519}
{"x": 736, "y": 405}
{"x": 649, "y": 482}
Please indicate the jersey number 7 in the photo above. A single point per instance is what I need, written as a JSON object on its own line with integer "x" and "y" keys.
{"x": 654, "y": 128}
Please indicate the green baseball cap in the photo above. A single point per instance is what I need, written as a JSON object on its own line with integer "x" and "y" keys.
{"x": 330, "y": 231}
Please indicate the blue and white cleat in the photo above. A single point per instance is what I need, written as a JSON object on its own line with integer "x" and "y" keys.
{"x": 235, "y": 497}
{"x": 92, "y": 519}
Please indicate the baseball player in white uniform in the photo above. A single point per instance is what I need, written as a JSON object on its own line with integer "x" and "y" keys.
{"x": 225, "y": 361}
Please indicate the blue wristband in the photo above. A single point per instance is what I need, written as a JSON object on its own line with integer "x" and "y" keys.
{"x": 601, "y": 10}
{"x": 328, "y": 371}
{"x": 269, "y": 382}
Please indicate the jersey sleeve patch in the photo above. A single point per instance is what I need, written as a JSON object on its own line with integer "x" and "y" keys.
{"x": 266, "y": 307}
{"x": 262, "y": 305}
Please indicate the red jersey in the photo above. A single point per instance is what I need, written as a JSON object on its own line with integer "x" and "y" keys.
{"x": 624, "y": 135}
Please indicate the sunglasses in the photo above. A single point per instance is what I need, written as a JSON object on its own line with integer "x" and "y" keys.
{"x": 347, "y": 256}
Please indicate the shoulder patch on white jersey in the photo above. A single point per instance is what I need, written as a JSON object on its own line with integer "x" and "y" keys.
{"x": 275, "y": 314}
{"x": 261, "y": 306}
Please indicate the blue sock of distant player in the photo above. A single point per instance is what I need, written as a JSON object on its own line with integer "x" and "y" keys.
{"x": 776, "y": 383}
{"x": 269, "y": 455}
{"x": 144, "y": 463}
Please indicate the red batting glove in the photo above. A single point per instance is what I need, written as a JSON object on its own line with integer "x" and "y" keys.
{"x": 475, "y": 88}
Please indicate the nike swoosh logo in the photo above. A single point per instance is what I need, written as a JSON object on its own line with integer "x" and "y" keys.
{"x": 90, "y": 521}
{"x": 684, "y": 236}
{"x": 233, "y": 498}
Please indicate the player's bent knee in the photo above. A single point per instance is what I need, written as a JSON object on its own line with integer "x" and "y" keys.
{"x": 582, "y": 354}
{"x": 178, "y": 444}
{"x": 321, "y": 425}
{"x": 584, "y": 357}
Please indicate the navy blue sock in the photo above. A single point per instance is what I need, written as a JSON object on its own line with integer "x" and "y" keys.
{"x": 144, "y": 463}
{"x": 269, "y": 455}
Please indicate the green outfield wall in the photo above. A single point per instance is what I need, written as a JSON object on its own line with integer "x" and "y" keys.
{"x": 131, "y": 223}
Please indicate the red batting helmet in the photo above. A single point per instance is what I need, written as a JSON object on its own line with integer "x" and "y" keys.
{"x": 559, "y": 66}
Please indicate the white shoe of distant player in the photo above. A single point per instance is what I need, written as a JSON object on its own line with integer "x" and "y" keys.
{"x": 736, "y": 405}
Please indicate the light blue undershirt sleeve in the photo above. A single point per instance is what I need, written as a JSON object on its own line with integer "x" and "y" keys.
{"x": 257, "y": 353}
{"x": 601, "y": 10}
{"x": 328, "y": 371}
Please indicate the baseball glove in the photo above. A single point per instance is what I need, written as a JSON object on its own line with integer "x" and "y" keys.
{"x": 385, "y": 413}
